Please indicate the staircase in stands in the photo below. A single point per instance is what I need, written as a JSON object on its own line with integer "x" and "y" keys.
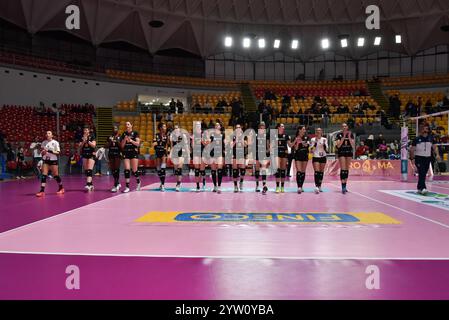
{"x": 103, "y": 124}
{"x": 375, "y": 90}
{"x": 248, "y": 99}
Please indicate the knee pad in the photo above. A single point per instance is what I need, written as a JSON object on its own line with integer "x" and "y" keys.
{"x": 116, "y": 172}
{"x": 58, "y": 179}
{"x": 283, "y": 174}
{"x": 162, "y": 172}
{"x": 44, "y": 179}
{"x": 127, "y": 174}
{"x": 344, "y": 174}
{"x": 178, "y": 172}
{"x": 203, "y": 173}
{"x": 197, "y": 172}
{"x": 136, "y": 174}
{"x": 257, "y": 174}
{"x": 242, "y": 172}
{"x": 235, "y": 173}
{"x": 89, "y": 173}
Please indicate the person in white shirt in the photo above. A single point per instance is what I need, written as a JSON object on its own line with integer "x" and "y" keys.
{"x": 50, "y": 151}
{"x": 319, "y": 149}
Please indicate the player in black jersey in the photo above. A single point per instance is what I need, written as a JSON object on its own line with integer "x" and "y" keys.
{"x": 130, "y": 144}
{"x": 115, "y": 157}
{"x": 345, "y": 150}
{"x": 282, "y": 157}
{"x": 199, "y": 164}
{"x": 87, "y": 149}
{"x": 262, "y": 141}
{"x": 300, "y": 148}
{"x": 217, "y": 140}
{"x": 239, "y": 144}
{"x": 177, "y": 137}
{"x": 160, "y": 144}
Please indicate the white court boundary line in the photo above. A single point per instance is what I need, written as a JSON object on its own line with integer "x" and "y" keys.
{"x": 398, "y": 208}
{"x": 222, "y": 257}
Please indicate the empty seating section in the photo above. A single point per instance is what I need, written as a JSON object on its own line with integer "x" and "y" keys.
{"x": 23, "y": 124}
{"x": 124, "y": 106}
{"x": 41, "y": 63}
{"x": 169, "y": 80}
{"x": 416, "y": 80}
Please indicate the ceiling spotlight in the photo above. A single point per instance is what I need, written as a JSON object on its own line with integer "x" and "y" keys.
{"x": 344, "y": 43}
{"x": 228, "y": 42}
{"x": 361, "y": 42}
{"x": 325, "y": 43}
{"x": 377, "y": 41}
{"x": 261, "y": 43}
{"x": 398, "y": 39}
{"x": 295, "y": 44}
{"x": 246, "y": 42}
{"x": 277, "y": 43}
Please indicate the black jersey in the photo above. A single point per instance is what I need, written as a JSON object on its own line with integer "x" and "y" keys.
{"x": 88, "y": 151}
{"x": 301, "y": 150}
{"x": 217, "y": 145}
{"x": 129, "y": 147}
{"x": 161, "y": 143}
{"x": 282, "y": 142}
{"x": 178, "y": 140}
{"x": 239, "y": 144}
{"x": 114, "y": 146}
{"x": 346, "y": 147}
{"x": 20, "y": 156}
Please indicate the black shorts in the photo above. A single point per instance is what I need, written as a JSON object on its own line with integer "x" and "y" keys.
{"x": 345, "y": 154}
{"x": 51, "y": 162}
{"x": 301, "y": 156}
{"x": 114, "y": 156}
{"x": 88, "y": 156}
{"x": 131, "y": 155}
{"x": 319, "y": 160}
{"x": 161, "y": 154}
{"x": 282, "y": 154}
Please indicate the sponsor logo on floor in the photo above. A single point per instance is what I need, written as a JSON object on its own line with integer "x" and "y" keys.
{"x": 269, "y": 217}
{"x": 437, "y": 200}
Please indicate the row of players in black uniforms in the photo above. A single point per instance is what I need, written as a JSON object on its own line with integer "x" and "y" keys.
{"x": 125, "y": 147}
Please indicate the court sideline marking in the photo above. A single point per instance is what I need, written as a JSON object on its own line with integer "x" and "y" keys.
{"x": 393, "y": 206}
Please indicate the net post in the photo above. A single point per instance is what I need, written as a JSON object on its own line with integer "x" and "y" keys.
{"x": 404, "y": 152}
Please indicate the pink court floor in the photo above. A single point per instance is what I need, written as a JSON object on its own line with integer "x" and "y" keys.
{"x": 187, "y": 245}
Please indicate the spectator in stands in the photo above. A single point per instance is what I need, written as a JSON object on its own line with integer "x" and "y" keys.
{"x": 350, "y": 123}
{"x": 395, "y": 106}
{"x": 211, "y": 124}
{"x": 169, "y": 117}
{"x": 172, "y": 106}
{"x": 236, "y": 111}
{"x": 208, "y": 107}
{"x": 362, "y": 151}
{"x": 36, "y": 148}
{"x": 365, "y": 105}
{"x": 180, "y": 106}
{"x": 429, "y": 107}
{"x": 266, "y": 112}
{"x": 411, "y": 109}
{"x": 197, "y": 108}
{"x": 382, "y": 149}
